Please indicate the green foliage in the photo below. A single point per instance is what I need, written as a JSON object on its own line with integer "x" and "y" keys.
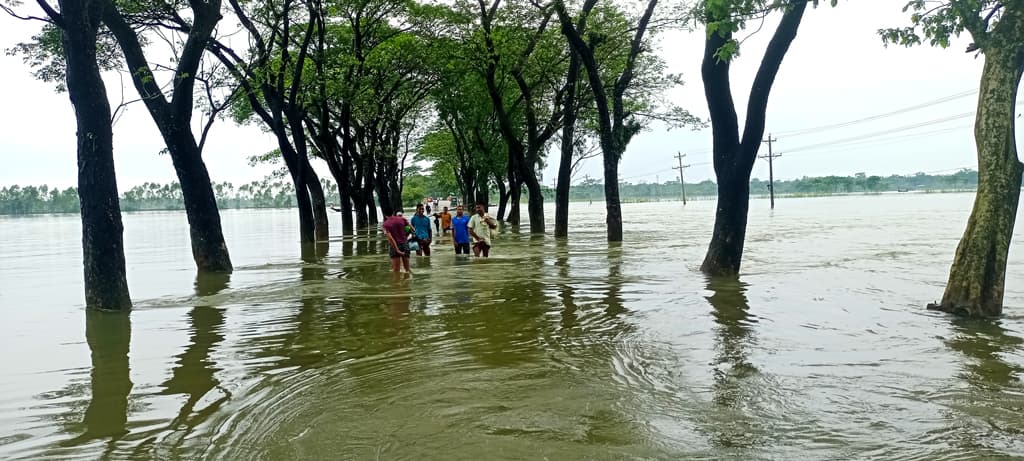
{"x": 938, "y": 22}
{"x": 727, "y": 17}
{"x": 44, "y": 54}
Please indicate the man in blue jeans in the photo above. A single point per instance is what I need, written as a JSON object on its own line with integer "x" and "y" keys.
{"x": 460, "y": 231}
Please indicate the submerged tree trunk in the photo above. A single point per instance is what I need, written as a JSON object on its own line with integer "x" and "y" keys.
{"x": 978, "y": 275}
{"x": 368, "y": 180}
{"x": 734, "y": 155}
{"x": 515, "y": 194}
{"x": 359, "y": 204}
{"x": 726, "y": 249}
{"x": 208, "y": 246}
{"x": 106, "y": 286}
{"x": 173, "y": 118}
{"x": 502, "y": 198}
{"x": 319, "y": 203}
{"x": 536, "y": 205}
{"x": 611, "y": 196}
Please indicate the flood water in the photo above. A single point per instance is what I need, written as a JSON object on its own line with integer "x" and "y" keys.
{"x": 549, "y": 350}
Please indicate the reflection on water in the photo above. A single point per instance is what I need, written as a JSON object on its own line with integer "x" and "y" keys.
{"x": 108, "y": 335}
{"x": 732, "y": 370}
{"x": 986, "y": 416}
{"x": 550, "y": 349}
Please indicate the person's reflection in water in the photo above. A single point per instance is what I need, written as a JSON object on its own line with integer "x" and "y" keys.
{"x": 732, "y": 368}
{"x": 995, "y": 386}
{"x": 109, "y": 335}
{"x": 194, "y": 374}
{"x": 400, "y": 296}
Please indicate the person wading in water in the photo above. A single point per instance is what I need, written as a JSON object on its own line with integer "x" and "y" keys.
{"x": 446, "y": 221}
{"x": 394, "y": 229}
{"x": 461, "y": 232}
{"x": 421, "y": 225}
{"x": 480, "y": 227}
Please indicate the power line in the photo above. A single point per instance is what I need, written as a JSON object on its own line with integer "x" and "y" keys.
{"x": 888, "y": 131}
{"x": 866, "y": 143}
{"x": 817, "y": 129}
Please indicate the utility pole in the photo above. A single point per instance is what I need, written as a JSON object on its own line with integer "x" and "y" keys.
{"x": 681, "y": 167}
{"x": 586, "y": 180}
{"x": 771, "y": 173}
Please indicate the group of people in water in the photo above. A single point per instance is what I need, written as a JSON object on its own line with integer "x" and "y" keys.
{"x": 406, "y": 236}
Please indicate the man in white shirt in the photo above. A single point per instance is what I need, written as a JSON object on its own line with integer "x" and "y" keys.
{"x": 480, "y": 226}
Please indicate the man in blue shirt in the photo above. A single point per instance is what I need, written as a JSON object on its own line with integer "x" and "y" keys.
{"x": 421, "y": 223}
{"x": 460, "y": 231}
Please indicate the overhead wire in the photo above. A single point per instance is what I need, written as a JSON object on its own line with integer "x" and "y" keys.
{"x": 817, "y": 129}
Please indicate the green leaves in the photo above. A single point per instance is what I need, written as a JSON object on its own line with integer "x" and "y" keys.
{"x": 937, "y": 23}
{"x": 44, "y": 54}
{"x": 728, "y": 17}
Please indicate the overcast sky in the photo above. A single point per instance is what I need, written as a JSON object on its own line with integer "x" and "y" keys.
{"x": 836, "y": 71}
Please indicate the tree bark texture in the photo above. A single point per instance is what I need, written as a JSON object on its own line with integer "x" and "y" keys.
{"x": 977, "y": 278}
{"x": 734, "y": 156}
{"x": 106, "y": 285}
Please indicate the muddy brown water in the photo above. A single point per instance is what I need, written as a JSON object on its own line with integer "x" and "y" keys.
{"x": 549, "y": 350}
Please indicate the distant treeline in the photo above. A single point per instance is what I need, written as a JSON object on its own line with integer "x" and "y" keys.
{"x": 860, "y": 183}
{"x": 268, "y": 193}
{"x": 275, "y": 192}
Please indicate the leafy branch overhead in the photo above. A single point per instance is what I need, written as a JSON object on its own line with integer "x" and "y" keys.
{"x": 725, "y": 18}
{"x": 938, "y": 22}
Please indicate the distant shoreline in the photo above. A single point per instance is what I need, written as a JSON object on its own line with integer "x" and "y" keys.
{"x": 695, "y": 198}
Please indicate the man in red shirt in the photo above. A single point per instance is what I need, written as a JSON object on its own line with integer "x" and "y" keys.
{"x": 394, "y": 229}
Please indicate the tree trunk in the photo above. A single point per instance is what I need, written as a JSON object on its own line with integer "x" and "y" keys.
{"x": 726, "y": 250}
{"x": 106, "y": 286}
{"x": 978, "y": 275}
{"x": 611, "y": 195}
{"x": 515, "y": 195}
{"x": 536, "y": 205}
{"x": 483, "y": 194}
{"x": 568, "y": 148}
{"x": 345, "y": 198}
{"x": 368, "y": 180}
{"x": 502, "y": 199}
{"x": 304, "y": 204}
{"x": 734, "y": 156}
{"x": 174, "y": 118}
{"x": 562, "y": 194}
{"x": 209, "y": 249}
{"x": 319, "y": 204}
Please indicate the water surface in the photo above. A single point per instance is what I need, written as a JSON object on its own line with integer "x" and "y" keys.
{"x": 573, "y": 349}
